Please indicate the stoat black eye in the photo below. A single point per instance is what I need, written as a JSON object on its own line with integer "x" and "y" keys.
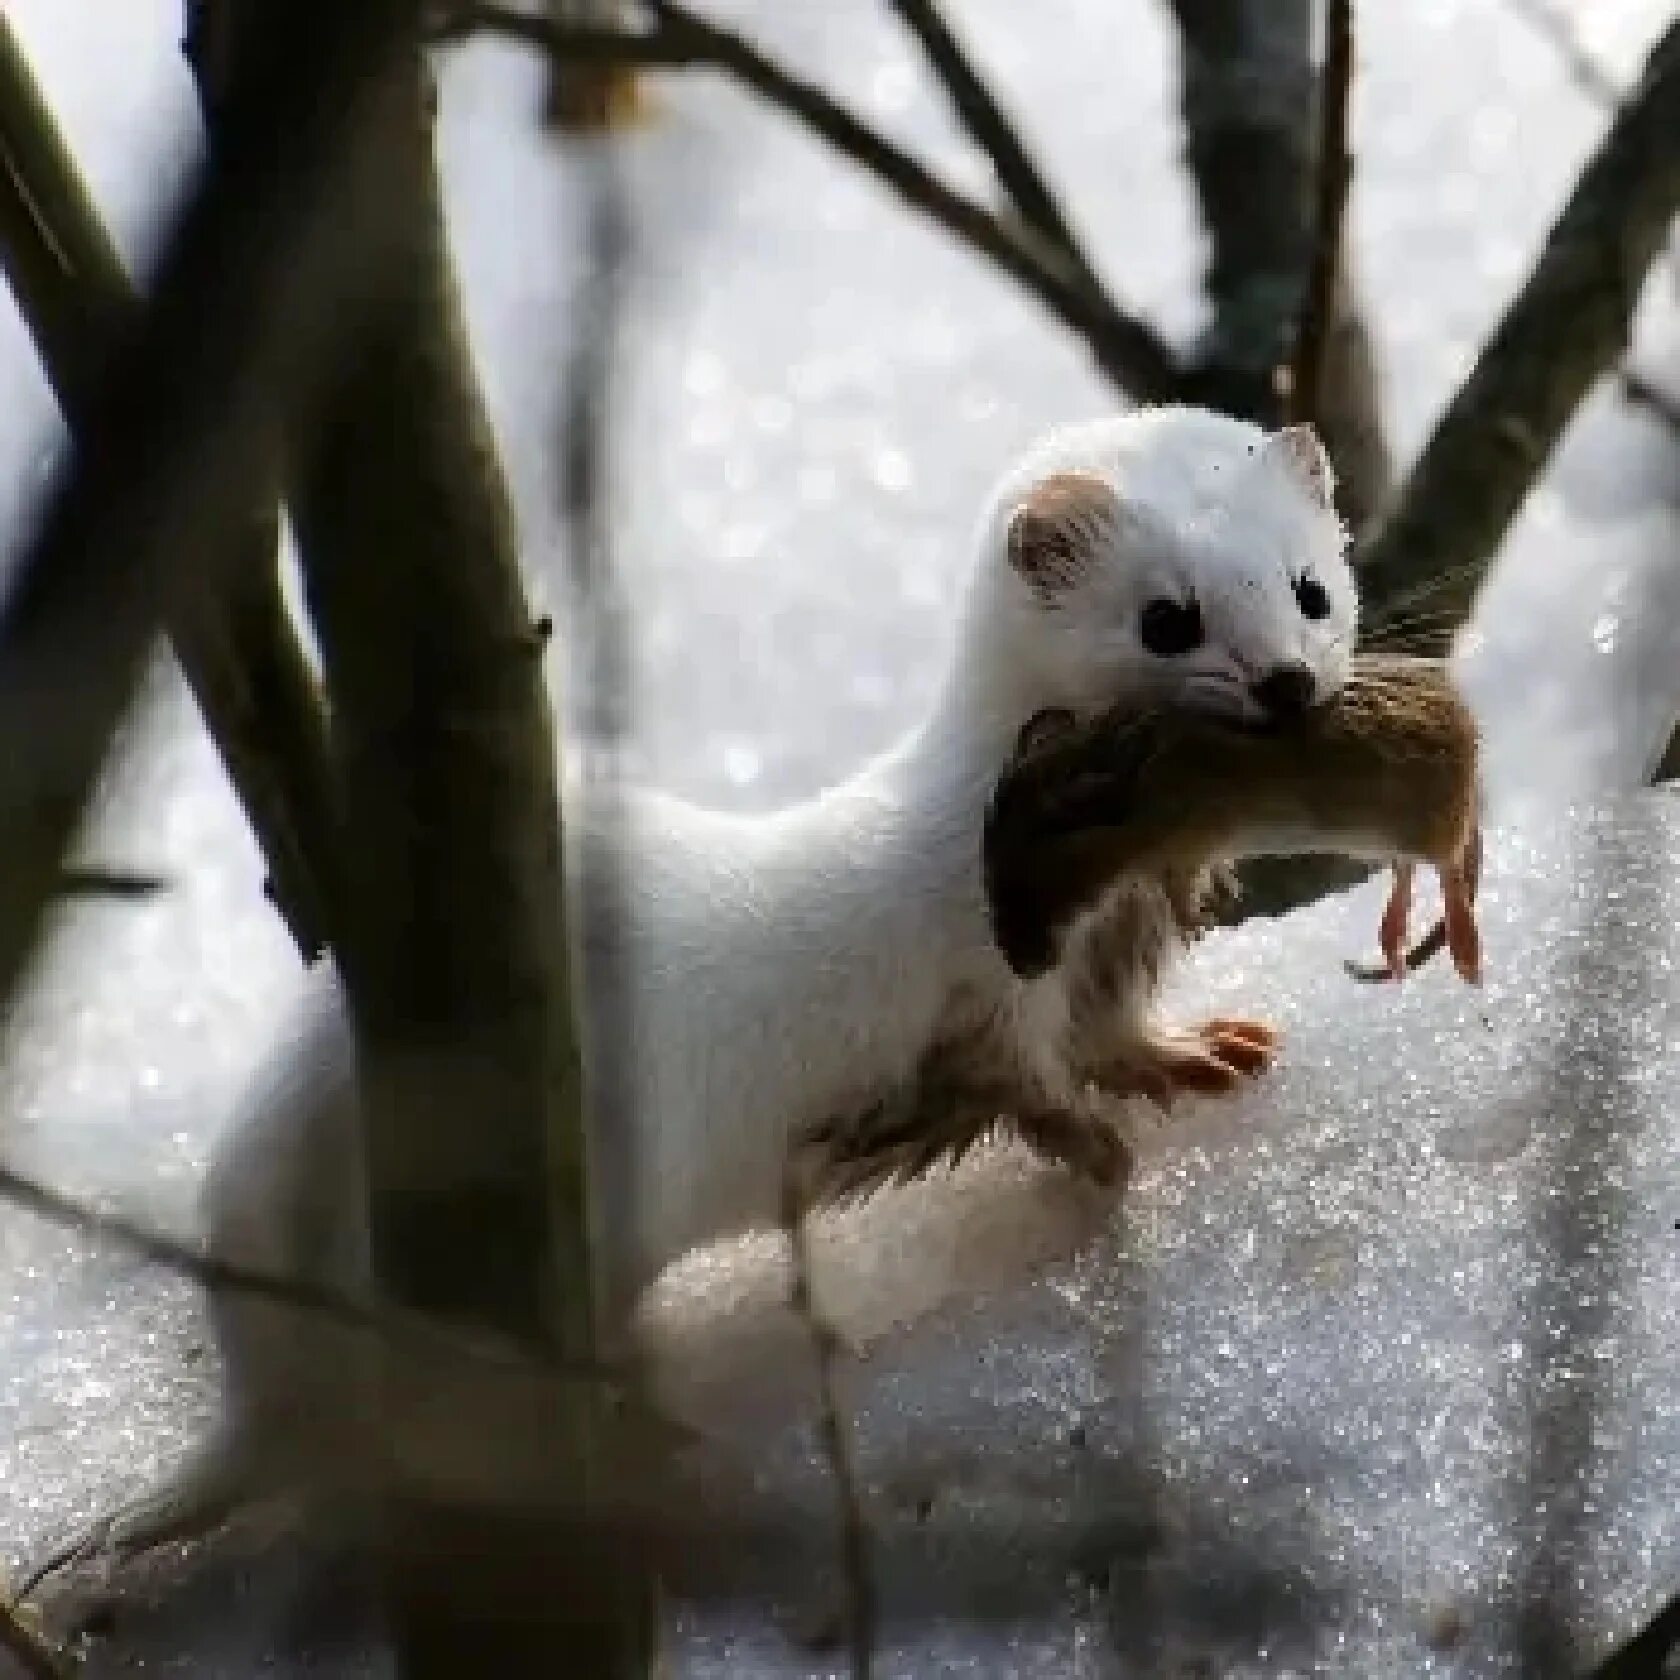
{"x": 1312, "y": 597}
{"x": 1169, "y": 628}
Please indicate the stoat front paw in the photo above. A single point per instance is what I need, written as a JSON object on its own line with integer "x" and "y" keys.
{"x": 1210, "y": 1061}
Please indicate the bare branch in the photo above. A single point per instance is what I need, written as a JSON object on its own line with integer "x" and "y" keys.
{"x": 1335, "y": 171}
{"x": 1034, "y": 200}
{"x": 1649, "y": 395}
{"x": 299, "y": 1295}
{"x": 172, "y": 442}
{"x": 836, "y": 1444}
{"x": 33, "y": 1655}
{"x": 1567, "y": 325}
{"x": 235, "y": 645}
{"x": 584, "y": 98}
{"x": 1585, "y": 71}
{"x": 89, "y": 882}
{"x": 1129, "y": 352}
{"x": 455, "y": 947}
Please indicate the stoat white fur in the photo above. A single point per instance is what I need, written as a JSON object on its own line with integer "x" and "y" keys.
{"x": 784, "y": 968}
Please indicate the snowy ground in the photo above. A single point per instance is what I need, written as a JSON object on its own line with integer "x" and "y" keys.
{"x": 1296, "y": 1368}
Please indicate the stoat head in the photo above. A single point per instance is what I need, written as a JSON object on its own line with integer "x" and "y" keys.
{"x": 1173, "y": 558}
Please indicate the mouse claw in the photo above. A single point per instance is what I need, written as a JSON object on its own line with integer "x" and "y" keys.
{"x": 1396, "y": 919}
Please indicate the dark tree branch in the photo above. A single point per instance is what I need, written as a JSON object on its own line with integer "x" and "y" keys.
{"x": 1335, "y": 172}
{"x": 1023, "y": 183}
{"x": 454, "y": 948}
{"x": 1567, "y": 325}
{"x": 1651, "y": 397}
{"x": 1254, "y": 119}
{"x": 1584, "y": 70}
{"x": 831, "y": 1424}
{"x": 170, "y": 446}
{"x": 300, "y": 1295}
{"x": 87, "y": 882}
{"x": 32, "y": 1654}
{"x": 1129, "y": 352}
{"x": 234, "y": 643}
{"x": 585, "y": 97}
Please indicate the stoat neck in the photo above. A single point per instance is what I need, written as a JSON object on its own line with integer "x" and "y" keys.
{"x": 949, "y": 765}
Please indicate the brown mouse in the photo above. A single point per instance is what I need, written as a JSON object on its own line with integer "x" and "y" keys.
{"x": 1386, "y": 770}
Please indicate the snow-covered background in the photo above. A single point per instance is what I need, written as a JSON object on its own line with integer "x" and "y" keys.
{"x": 1292, "y": 1379}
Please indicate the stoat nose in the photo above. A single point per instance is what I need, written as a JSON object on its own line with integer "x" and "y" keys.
{"x": 1286, "y": 691}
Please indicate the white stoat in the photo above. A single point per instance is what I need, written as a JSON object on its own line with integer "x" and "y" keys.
{"x": 787, "y": 967}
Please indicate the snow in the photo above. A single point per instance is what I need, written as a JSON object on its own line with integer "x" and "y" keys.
{"x": 1274, "y": 1412}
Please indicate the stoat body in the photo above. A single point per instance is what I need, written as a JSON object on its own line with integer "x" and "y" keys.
{"x": 781, "y": 969}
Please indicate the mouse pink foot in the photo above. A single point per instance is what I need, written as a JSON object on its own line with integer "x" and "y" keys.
{"x": 1464, "y": 939}
{"x": 1396, "y": 920}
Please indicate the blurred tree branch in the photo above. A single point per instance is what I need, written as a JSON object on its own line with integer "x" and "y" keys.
{"x": 32, "y": 1654}
{"x": 232, "y": 637}
{"x": 1566, "y": 326}
{"x": 860, "y": 1610}
{"x": 1335, "y": 173}
{"x": 170, "y": 444}
{"x": 1129, "y": 352}
{"x": 302, "y": 1295}
{"x": 1030, "y": 195}
{"x": 454, "y": 942}
{"x": 1257, "y": 118}
{"x": 583, "y": 95}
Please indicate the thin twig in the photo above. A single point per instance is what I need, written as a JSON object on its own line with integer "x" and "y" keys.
{"x": 90, "y": 882}
{"x": 1584, "y": 69}
{"x": 298, "y": 1295}
{"x": 1568, "y": 324}
{"x": 1652, "y": 397}
{"x": 1128, "y": 351}
{"x": 836, "y": 1442}
{"x": 1335, "y": 171}
{"x": 1031, "y": 195}
{"x": 244, "y": 304}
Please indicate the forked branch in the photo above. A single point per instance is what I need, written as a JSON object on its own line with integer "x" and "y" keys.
{"x": 1567, "y": 325}
{"x": 1127, "y": 350}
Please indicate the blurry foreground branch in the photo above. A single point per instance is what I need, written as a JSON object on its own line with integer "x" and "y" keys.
{"x": 231, "y": 634}
{"x": 454, "y": 948}
{"x": 170, "y": 447}
{"x": 1129, "y": 352}
{"x": 1266, "y": 149}
{"x": 31, "y": 1653}
{"x": 1334, "y": 168}
{"x": 1030, "y": 195}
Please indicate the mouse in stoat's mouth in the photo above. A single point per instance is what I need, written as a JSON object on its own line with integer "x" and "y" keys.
{"x": 1386, "y": 770}
{"x": 784, "y": 968}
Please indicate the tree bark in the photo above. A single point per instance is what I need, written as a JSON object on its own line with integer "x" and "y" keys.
{"x": 1250, "y": 101}
{"x": 236, "y": 325}
{"x": 232, "y": 637}
{"x": 455, "y": 950}
{"x": 1566, "y": 326}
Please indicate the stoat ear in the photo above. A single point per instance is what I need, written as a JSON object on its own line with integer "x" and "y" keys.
{"x": 1054, "y": 534}
{"x": 1297, "y": 450}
